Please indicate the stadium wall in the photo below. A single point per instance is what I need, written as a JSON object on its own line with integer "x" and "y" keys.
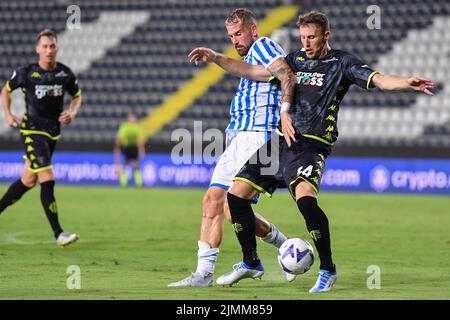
{"x": 347, "y": 174}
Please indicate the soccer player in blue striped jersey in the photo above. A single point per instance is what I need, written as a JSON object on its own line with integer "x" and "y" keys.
{"x": 254, "y": 114}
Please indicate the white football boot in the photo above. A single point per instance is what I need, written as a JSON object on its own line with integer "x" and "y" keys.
{"x": 66, "y": 238}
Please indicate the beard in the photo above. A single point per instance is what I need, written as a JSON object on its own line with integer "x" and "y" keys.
{"x": 242, "y": 50}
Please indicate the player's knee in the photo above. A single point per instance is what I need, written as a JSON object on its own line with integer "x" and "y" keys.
{"x": 46, "y": 175}
{"x": 29, "y": 181}
{"x": 304, "y": 190}
{"x": 243, "y": 190}
{"x": 28, "y": 178}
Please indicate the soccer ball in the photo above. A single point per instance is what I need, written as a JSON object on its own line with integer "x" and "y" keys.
{"x": 296, "y": 256}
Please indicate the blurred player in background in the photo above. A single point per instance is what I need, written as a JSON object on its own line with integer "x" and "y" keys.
{"x": 130, "y": 144}
{"x": 254, "y": 115}
{"x": 309, "y": 126}
{"x": 44, "y": 85}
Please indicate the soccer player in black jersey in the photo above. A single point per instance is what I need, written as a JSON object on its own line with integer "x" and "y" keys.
{"x": 44, "y": 85}
{"x": 309, "y": 126}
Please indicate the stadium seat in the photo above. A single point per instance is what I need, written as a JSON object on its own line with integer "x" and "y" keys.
{"x": 151, "y": 63}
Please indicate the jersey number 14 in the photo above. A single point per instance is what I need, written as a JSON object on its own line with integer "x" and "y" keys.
{"x": 306, "y": 172}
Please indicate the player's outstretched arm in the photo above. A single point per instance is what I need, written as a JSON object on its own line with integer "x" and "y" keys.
{"x": 68, "y": 115}
{"x": 237, "y": 68}
{"x": 394, "y": 82}
{"x": 11, "y": 119}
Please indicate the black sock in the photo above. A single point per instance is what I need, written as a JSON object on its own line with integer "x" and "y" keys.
{"x": 317, "y": 225}
{"x": 243, "y": 220}
{"x": 49, "y": 204}
{"x": 14, "y": 193}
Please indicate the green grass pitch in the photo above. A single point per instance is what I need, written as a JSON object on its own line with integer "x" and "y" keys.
{"x": 134, "y": 242}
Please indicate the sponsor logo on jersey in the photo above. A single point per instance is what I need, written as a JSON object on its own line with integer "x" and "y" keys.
{"x": 35, "y": 75}
{"x": 61, "y": 74}
{"x": 48, "y": 91}
{"x": 312, "y": 64}
{"x": 310, "y": 78}
{"x": 330, "y": 60}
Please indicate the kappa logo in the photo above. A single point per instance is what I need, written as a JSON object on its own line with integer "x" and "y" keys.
{"x": 315, "y": 234}
{"x": 61, "y": 74}
{"x": 330, "y": 60}
{"x": 312, "y": 64}
{"x": 237, "y": 227}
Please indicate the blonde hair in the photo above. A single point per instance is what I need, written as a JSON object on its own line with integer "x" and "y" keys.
{"x": 246, "y": 16}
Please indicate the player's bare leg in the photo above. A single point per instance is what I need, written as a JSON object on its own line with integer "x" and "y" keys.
{"x": 28, "y": 178}
{"x": 211, "y": 232}
{"x": 214, "y": 209}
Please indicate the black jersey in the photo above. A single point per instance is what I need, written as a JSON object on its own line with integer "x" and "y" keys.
{"x": 321, "y": 86}
{"x": 44, "y": 96}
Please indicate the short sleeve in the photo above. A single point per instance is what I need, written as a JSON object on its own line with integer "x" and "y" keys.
{"x": 17, "y": 80}
{"x": 266, "y": 51}
{"x": 72, "y": 86}
{"x": 358, "y": 72}
{"x": 290, "y": 60}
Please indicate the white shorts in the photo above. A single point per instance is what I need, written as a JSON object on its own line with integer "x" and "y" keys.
{"x": 241, "y": 145}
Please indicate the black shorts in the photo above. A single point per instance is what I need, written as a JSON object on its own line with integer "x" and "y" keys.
{"x": 275, "y": 166}
{"x": 39, "y": 150}
{"x": 130, "y": 153}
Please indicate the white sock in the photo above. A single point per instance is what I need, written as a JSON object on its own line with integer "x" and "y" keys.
{"x": 207, "y": 258}
{"x": 274, "y": 237}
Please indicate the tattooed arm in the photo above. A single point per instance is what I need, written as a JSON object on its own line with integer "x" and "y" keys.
{"x": 280, "y": 69}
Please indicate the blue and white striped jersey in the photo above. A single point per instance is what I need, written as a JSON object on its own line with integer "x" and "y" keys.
{"x": 255, "y": 106}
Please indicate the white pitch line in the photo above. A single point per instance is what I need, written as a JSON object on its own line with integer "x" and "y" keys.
{"x": 11, "y": 238}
